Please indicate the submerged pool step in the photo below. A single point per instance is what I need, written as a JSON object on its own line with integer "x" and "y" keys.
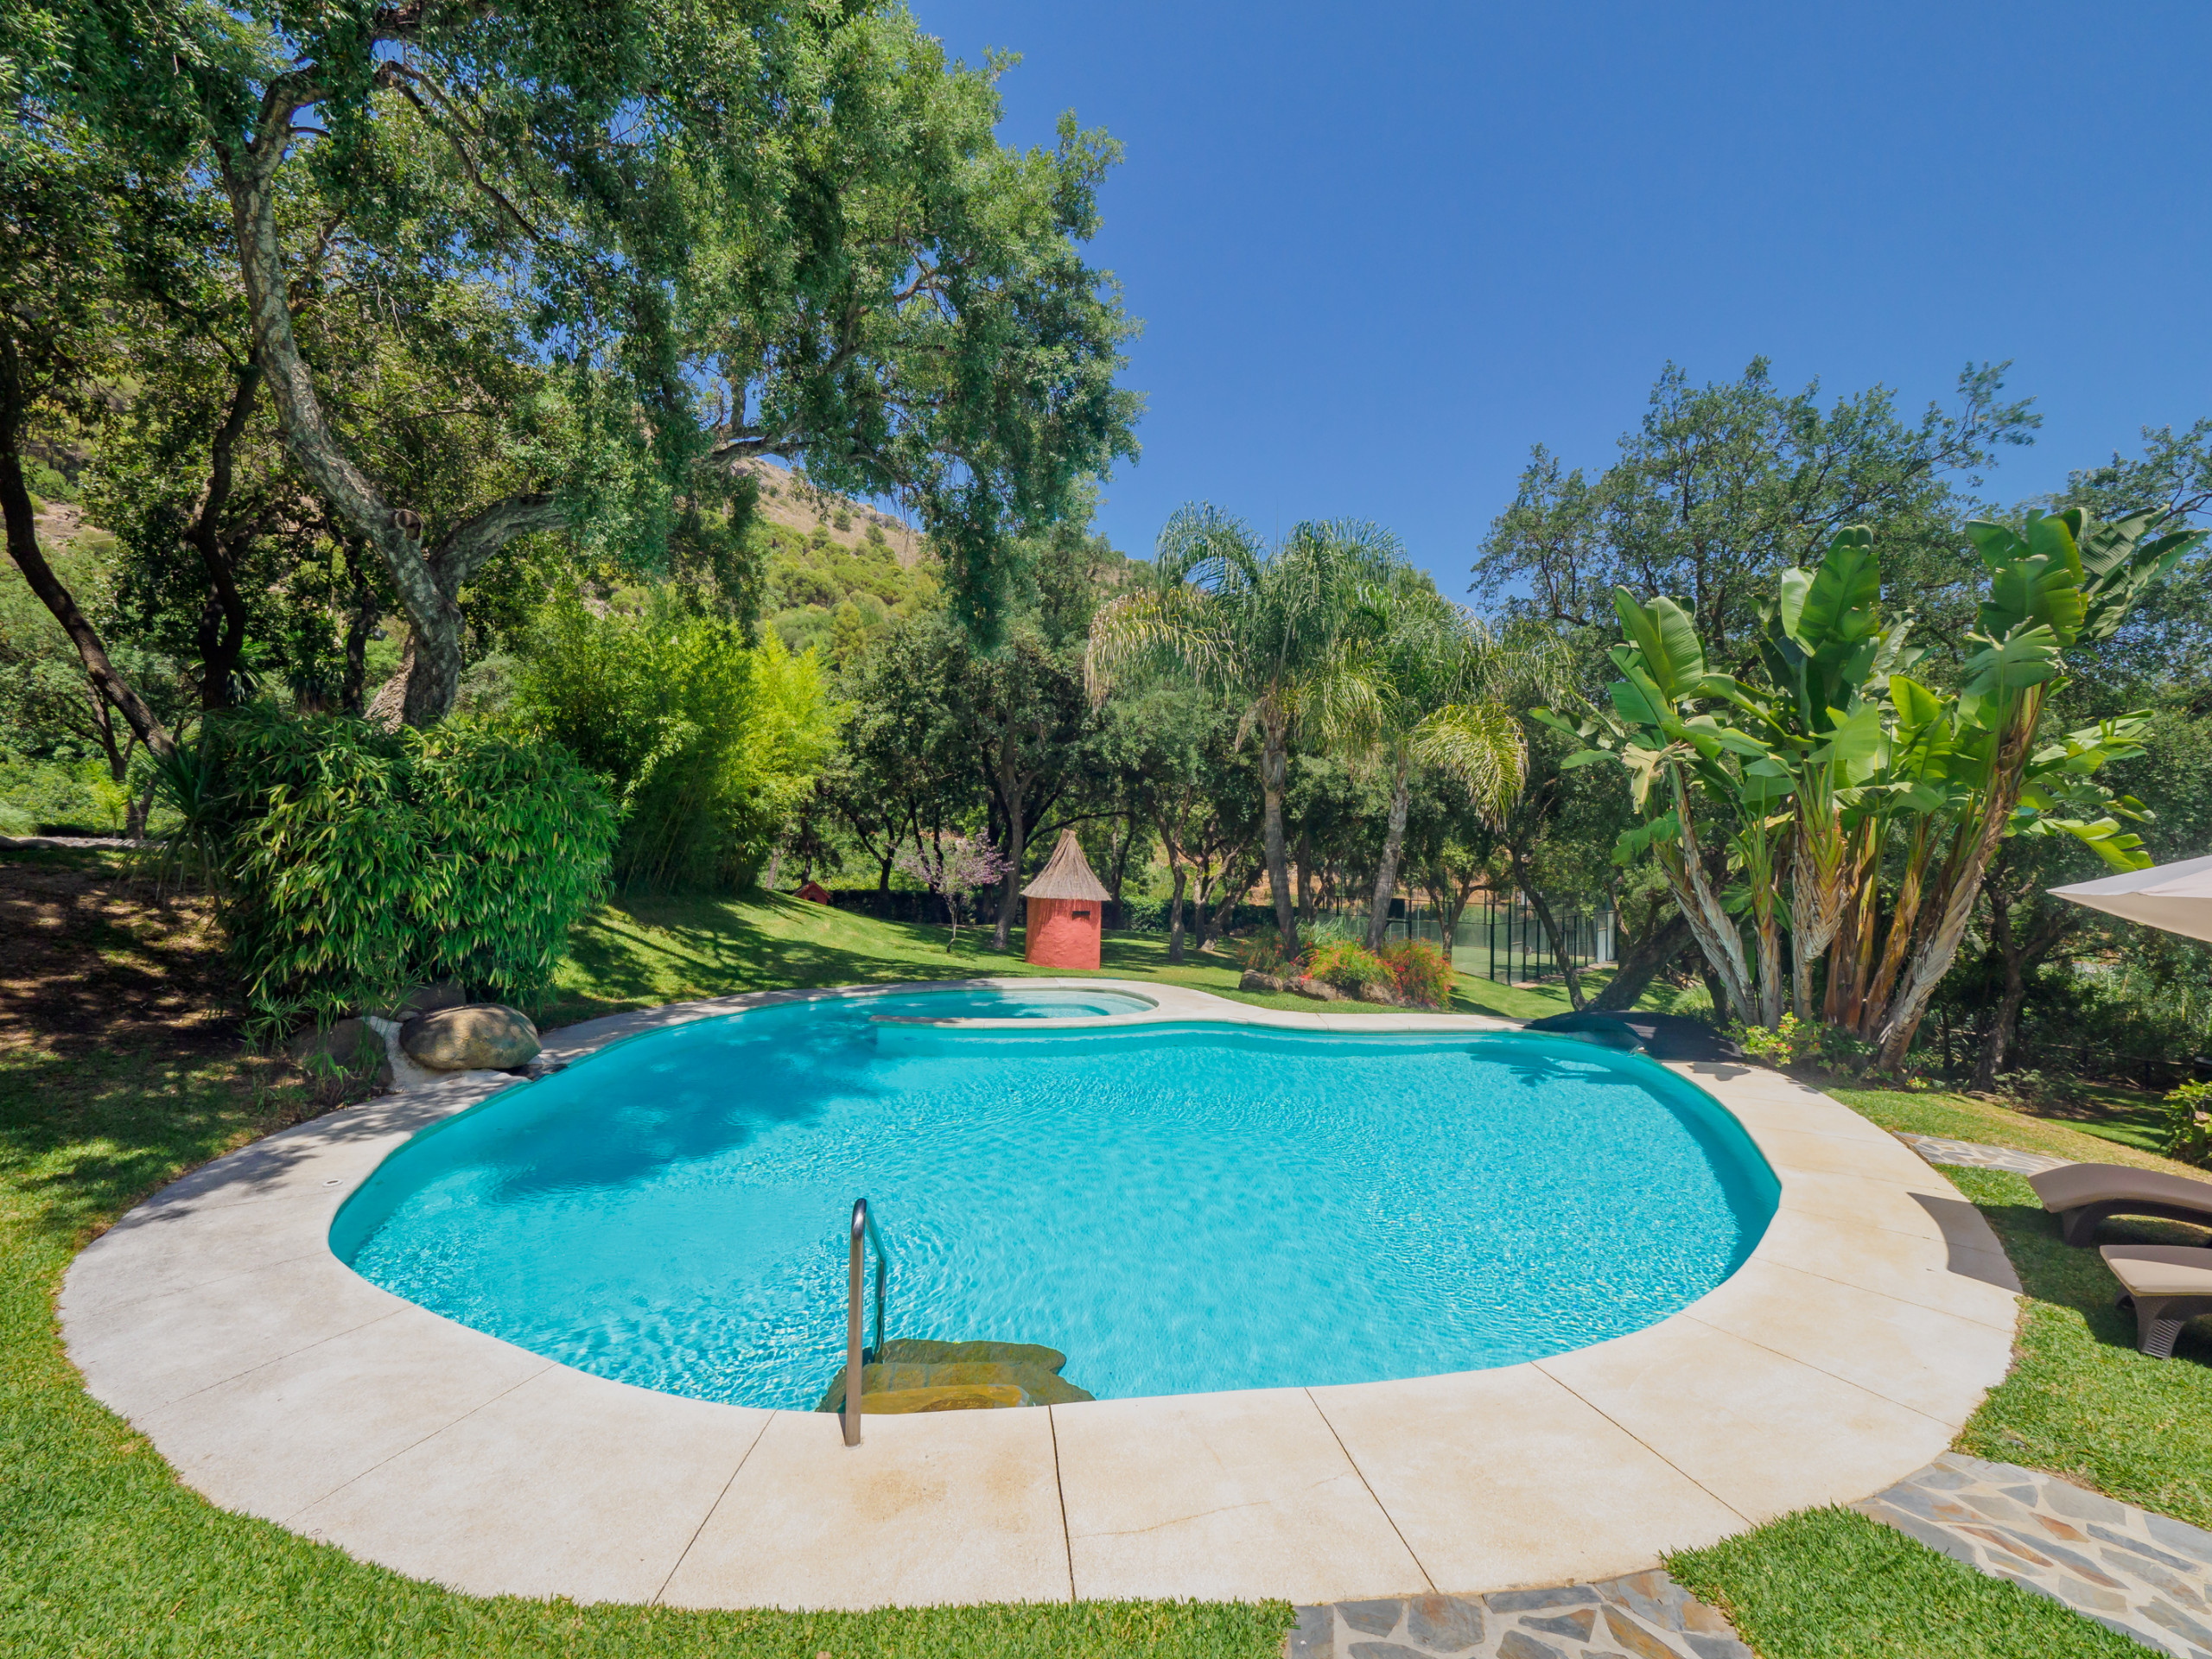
{"x": 916, "y": 1375}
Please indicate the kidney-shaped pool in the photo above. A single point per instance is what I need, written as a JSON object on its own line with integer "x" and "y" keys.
{"x": 1179, "y": 1207}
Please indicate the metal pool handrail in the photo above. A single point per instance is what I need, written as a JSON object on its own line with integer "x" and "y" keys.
{"x": 864, "y": 1234}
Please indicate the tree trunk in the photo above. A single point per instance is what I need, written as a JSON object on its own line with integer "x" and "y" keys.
{"x": 1175, "y": 910}
{"x": 222, "y": 621}
{"x": 1306, "y": 883}
{"x": 1935, "y": 961}
{"x": 22, "y": 546}
{"x": 1991, "y": 1060}
{"x": 428, "y": 584}
{"x": 1711, "y": 925}
{"x": 1274, "y": 772}
{"x": 363, "y": 623}
{"x": 1873, "y": 992}
{"x": 1550, "y": 924}
{"x": 1642, "y": 963}
{"x": 1386, "y": 873}
{"x": 1009, "y": 787}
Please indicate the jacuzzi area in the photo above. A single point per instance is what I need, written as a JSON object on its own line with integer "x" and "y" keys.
{"x": 1373, "y": 1304}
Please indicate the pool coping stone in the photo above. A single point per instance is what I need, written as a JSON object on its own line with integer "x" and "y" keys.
{"x": 1843, "y": 1356}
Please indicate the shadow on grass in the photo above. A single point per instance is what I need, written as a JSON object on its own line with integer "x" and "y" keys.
{"x": 2080, "y": 1399}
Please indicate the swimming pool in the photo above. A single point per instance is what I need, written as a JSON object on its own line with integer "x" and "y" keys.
{"x": 1179, "y": 1206}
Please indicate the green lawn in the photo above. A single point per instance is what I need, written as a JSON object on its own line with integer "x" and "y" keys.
{"x": 102, "y": 1551}
{"x": 638, "y": 952}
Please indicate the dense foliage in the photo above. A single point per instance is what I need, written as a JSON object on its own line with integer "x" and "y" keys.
{"x": 707, "y": 744}
{"x": 353, "y": 862}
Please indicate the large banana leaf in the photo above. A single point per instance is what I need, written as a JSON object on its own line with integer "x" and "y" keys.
{"x": 1663, "y": 633}
{"x": 2035, "y": 579}
{"x": 2023, "y": 658}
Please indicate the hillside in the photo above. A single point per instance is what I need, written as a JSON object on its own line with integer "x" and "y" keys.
{"x": 786, "y": 499}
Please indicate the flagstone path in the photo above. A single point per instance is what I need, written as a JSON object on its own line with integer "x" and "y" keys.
{"x": 1974, "y": 1155}
{"x": 2145, "y": 1575}
{"x": 1647, "y": 1615}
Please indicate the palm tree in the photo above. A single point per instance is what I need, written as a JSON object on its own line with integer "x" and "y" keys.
{"x": 1276, "y": 629}
{"x": 1438, "y": 677}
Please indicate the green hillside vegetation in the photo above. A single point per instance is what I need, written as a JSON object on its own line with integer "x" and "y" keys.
{"x": 821, "y": 595}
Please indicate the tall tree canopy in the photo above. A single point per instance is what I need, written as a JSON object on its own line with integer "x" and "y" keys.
{"x": 715, "y": 228}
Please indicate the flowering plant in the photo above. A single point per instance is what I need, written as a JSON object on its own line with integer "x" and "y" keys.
{"x": 952, "y": 867}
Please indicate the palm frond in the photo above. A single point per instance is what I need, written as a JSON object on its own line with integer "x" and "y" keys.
{"x": 1480, "y": 746}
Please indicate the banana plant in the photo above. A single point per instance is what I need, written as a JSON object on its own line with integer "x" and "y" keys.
{"x": 1838, "y": 754}
{"x": 2061, "y": 577}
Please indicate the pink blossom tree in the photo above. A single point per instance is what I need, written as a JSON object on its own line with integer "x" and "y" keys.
{"x": 952, "y": 867}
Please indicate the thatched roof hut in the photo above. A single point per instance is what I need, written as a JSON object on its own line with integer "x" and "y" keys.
{"x": 1066, "y": 874}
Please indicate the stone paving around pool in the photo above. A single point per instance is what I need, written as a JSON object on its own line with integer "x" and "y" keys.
{"x": 1975, "y": 1154}
{"x": 2145, "y": 1575}
{"x": 1847, "y": 1352}
{"x": 1646, "y": 1614}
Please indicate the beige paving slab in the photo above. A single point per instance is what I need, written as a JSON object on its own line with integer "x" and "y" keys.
{"x": 946, "y": 1507}
{"x": 140, "y": 1357}
{"x": 1922, "y": 1213}
{"x": 268, "y": 1370}
{"x": 1933, "y": 1361}
{"x": 1220, "y": 1495}
{"x": 1506, "y": 1478}
{"x": 145, "y": 1256}
{"x": 1977, "y": 1285}
{"x": 566, "y": 1485}
{"x": 1763, "y": 1114}
{"x": 1763, "y": 1433}
{"x": 1837, "y": 1154}
{"x": 278, "y": 1438}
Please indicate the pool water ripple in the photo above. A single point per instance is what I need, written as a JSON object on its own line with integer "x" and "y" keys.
{"x": 1177, "y": 1207}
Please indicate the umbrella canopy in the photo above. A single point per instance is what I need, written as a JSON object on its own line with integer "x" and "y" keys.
{"x": 2177, "y": 898}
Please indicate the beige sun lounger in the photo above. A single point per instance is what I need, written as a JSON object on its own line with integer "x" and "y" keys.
{"x": 2167, "y": 1285}
{"x": 2081, "y": 1195}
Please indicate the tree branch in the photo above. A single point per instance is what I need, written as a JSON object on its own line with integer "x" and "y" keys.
{"x": 463, "y": 549}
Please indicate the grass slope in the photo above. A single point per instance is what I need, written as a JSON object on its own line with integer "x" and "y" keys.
{"x": 640, "y": 951}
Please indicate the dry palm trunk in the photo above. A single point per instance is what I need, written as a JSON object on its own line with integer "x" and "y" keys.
{"x": 1710, "y": 922}
{"x": 1962, "y": 883}
{"x": 1274, "y": 771}
{"x": 1851, "y": 951}
{"x": 1386, "y": 873}
{"x": 1873, "y": 998}
{"x": 1819, "y": 877}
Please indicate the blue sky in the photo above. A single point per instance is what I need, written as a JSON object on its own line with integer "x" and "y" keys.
{"x": 1382, "y": 249}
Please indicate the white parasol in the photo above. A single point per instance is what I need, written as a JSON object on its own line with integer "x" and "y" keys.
{"x": 2177, "y": 898}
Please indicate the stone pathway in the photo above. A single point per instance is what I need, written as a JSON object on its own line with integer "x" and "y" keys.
{"x": 1974, "y": 1154}
{"x": 2145, "y": 1575}
{"x": 1647, "y": 1615}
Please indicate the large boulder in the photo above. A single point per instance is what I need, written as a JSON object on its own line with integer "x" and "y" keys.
{"x": 484, "y": 1036}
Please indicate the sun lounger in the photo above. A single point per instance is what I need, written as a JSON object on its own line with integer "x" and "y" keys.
{"x": 2167, "y": 1285}
{"x": 2081, "y": 1195}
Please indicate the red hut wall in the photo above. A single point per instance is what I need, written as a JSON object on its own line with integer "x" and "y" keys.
{"x": 1062, "y": 933}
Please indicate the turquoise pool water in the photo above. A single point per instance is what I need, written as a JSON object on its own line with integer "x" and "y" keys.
{"x": 1177, "y": 1207}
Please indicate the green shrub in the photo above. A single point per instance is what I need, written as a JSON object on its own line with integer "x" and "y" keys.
{"x": 1787, "y": 1045}
{"x": 2189, "y": 1124}
{"x": 1347, "y": 966}
{"x": 356, "y": 861}
{"x": 1419, "y": 973}
{"x": 1262, "y": 953}
{"x": 708, "y": 744}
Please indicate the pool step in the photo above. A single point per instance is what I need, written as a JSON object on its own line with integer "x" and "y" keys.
{"x": 915, "y": 1375}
